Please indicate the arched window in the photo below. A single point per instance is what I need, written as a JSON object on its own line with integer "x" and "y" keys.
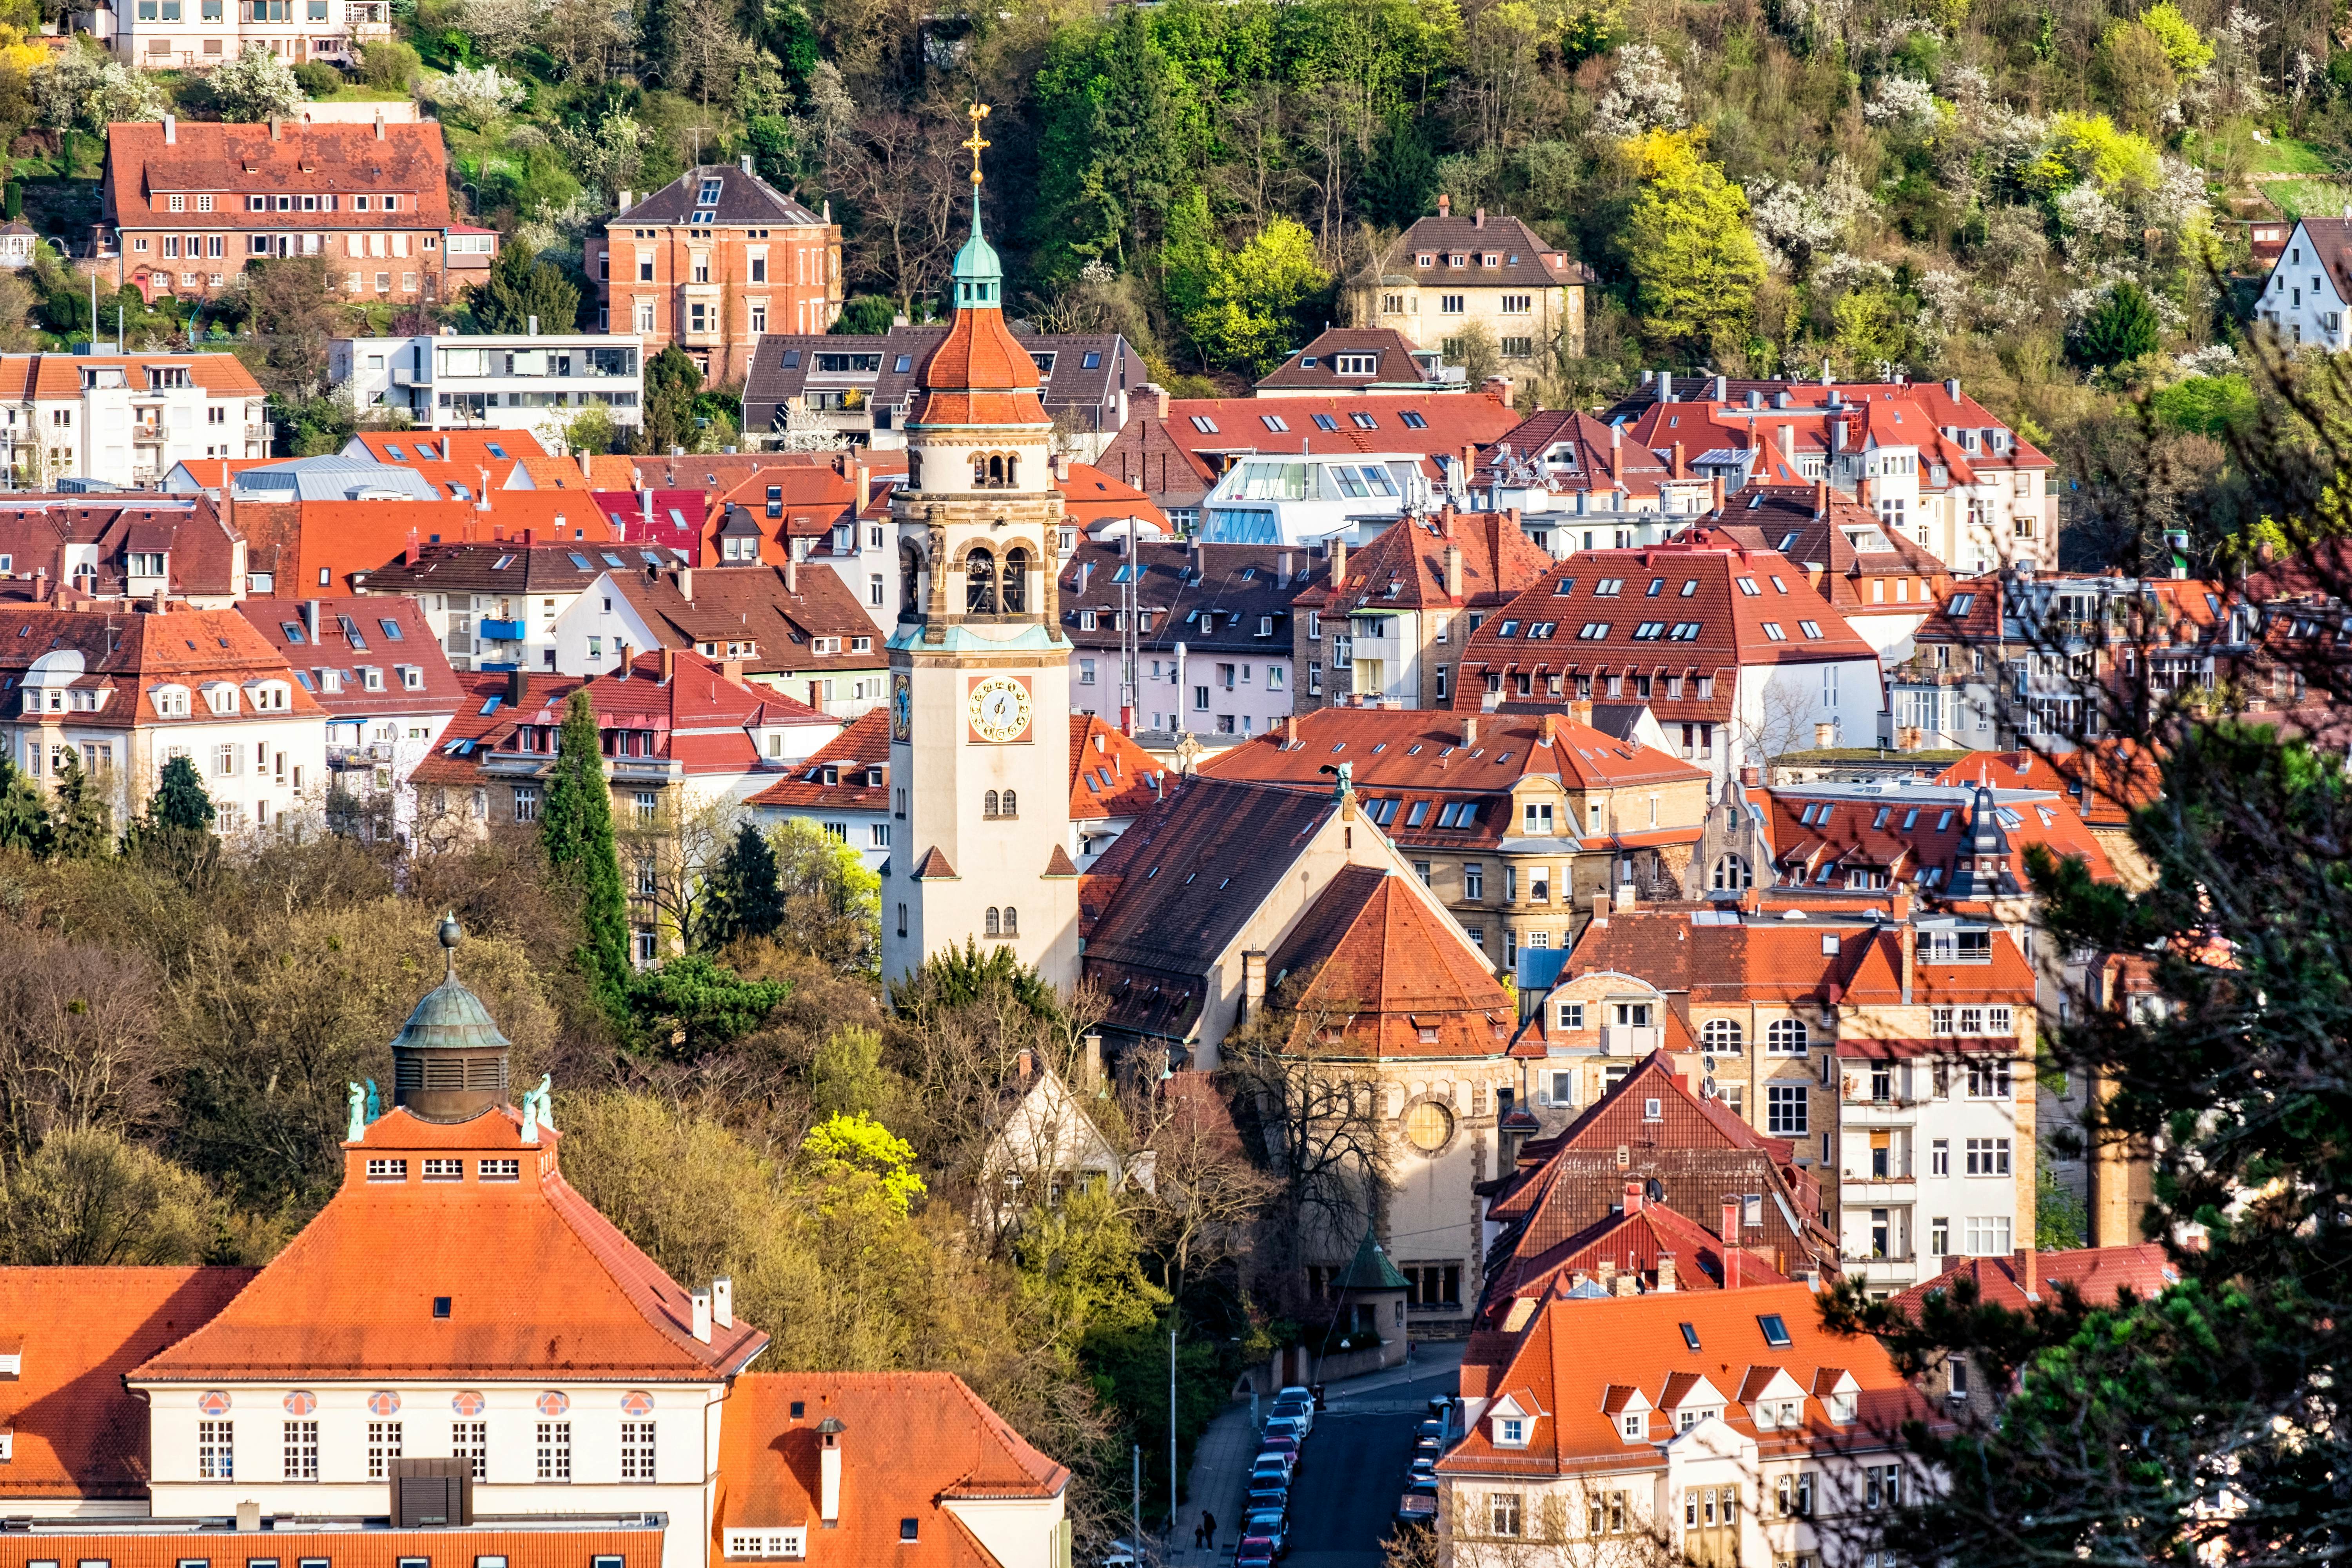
{"x": 1010, "y": 809}
{"x": 1721, "y": 1036}
{"x": 991, "y": 927}
{"x": 1731, "y": 874}
{"x": 1016, "y": 582}
{"x": 988, "y": 805}
{"x": 980, "y": 584}
{"x": 910, "y": 571}
{"x": 1011, "y": 920}
{"x": 1012, "y": 472}
{"x": 1786, "y": 1036}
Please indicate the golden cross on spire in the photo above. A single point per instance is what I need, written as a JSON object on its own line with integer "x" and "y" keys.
{"x": 976, "y": 114}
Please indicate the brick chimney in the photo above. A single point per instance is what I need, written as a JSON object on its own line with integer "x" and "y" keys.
{"x": 1666, "y": 1272}
{"x": 2026, "y": 1265}
{"x": 1675, "y": 461}
{"x": 1469, "y": 729}
{"x": 1454, "y": 573}
{"x": 1338, "y": 567}
{"x": 1862, "y": 492}
{"x": 1789, "y": 440}
{"x": 1821, "y": 498}
{"x": 1632, "y": 1196}
{"x": 1444, "y": 206}
{"x": 864, "y": 487}
{"x": 668, "y": 665}
{"x": 1253, "y": 986}
{"x": 1730, "y": 1242}
{"x": 1580, "y": 712}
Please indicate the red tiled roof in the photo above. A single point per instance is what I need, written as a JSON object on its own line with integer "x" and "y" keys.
{"x": 639, "y": 1547}
{"x": 2097, "y": 1272}
{"x": 282, "y": 621}
{"x": 541, "y": 1284}
{"x": 1449, "y": 421}
{"x": 1405, "y": 567}
{"x": 1389, "y": 975}
{"x": 1906, "y": 840}
{"x": 863, "y": 743}
{"x": 79, "y": 1432}
{"x": 980, "y": 375}
{"x": 934, "y": 867}
{"x": 143, "y": 169}
{"x": 910, "y": 1442}
{"x": 135, "y": 653}
{"x": 27, "y": 378}
{"x": 1110, "y": 775}
{"x": 1632, "y": 1241}
{"x": 1769, "y": 959}
{"x": 1563, "y": 1369}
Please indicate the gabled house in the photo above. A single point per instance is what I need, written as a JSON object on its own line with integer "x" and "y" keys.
{"x": 2310, "y": 285}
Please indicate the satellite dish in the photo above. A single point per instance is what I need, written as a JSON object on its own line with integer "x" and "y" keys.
{"x": 1656, "y": 1191}
{"x": 1709, "y": 1086}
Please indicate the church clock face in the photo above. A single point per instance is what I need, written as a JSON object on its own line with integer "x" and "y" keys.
{"x": 999, "y": 708}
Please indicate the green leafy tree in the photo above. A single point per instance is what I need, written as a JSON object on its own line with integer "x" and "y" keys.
{"x": 175, "y": 832}
{"x": 848, "y": 1077}
{"x": 575, "y": 829}
{"x": 1118, "y": 123}
{"x": 85, "y": 823}
{"x": 958, "y": 976}
{"x": 520, "y": 288}
{"x": 2059, "y": 1221}
{"x": 863, "y": 1144}
{"x": 868, "y": 315}
{"x": 2121, "y": 327}
{"x": 1243, "y": 310}
{"x": 833, "y": 900}
{"x": 745, "y": 898}
{"x": 24, "y": 811}
{"x": 694, "y": 1005}
{"x": 2215, "y": 405}
{"x": 1687, "y": 244}
{"x": 88, "y": 1197}
{"x": 1400, "y": 182}
{"x": 672, "y": 382}
{"x": 179, "y": 803}
{"x": 2183, "y": 45}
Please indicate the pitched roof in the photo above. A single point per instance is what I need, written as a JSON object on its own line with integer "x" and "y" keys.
{"x": 44, "y": 377}
{"x": 1934, "y": 413}
{"x": 1713, "y": 955}
{"x": 910, "y": 1442}
{"x": 1198, "y": 432}
{"x": 979, "y": 374}
{"x": 1315, "y": 368}
{"x": 1389, "y": 975}
{"x": 34, "y": 529}
{"x": 541, "y": 1282}
{"x": 780, "y": 610}
{"x": 862, "y": 747}
{"x": 1631, "y": 1240}
{"x": 741, "y": 197}
{"x": 1171, "y": 894}
{"x": 1369, "y": 1270}
{"x": 2099, "y": 1273}
{"x": 1566, "y": 451}
{"x": 1110, "y": 775}
{"x": 78, "y": 1432}
{"x": 135, "y": 652}
{"x": 469, "y": 566}
{"x": 1405, "y": 567}
{"x": 1229, "y": 599}
{"x": 1917, "y": 836}
{"x": 1523, "y": 258}
{"x": 1565, "y": 1367}
{"x": 390, "y": 629}
{"x": 147, "y": 163}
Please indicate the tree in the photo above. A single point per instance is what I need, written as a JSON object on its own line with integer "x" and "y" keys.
{"x": 179, "y": 803}
{"x": 478, "y": 96}
{"x": 866, "y": 314}
{"x": 389, "y": 62}
{"x": 575, "y": 829}
{"x": 1118, "y": 124}
{"x": 520, "y": 289}
{"x": 848, "y": 1077}
{"x": 2121, "y": 327}
{"x": 24, "y": 811}
{"x": 85, "y": 90}
{"x": 693, "y": 1004}
{"x": 1243, "y": 310}
{"x": 1401, "y": 179}
{"x": 1474, "y": 348}
{"x": 91, "y": 1198}
{"x": 85, "y": 823}
{"x": 289, "y": 318}
{"x": 1693, "y": 259}
{"x": 833, "y": 901}
{"x": 672, "y": 380}
{"x": 587, "y": 430}
{"x": 862, "y": 1144}
{"x": 745, "y": 898}
{"x": 257, "y": 85}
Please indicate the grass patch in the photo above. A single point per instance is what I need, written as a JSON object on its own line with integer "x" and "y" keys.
{"x": 2237, "y": 150}
{"x": 2310, "y": 198}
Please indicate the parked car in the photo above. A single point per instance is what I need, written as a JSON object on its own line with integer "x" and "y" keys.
{"x": 1271, "y": 1522}
{"x": 1417, "y": 1510}
{"x": 1122, "y": 1555}
{"x": 1427, "y": 1446}
{"x": 1432, "y": 1429}
{"x": 1272, "y": 1467}
{"x": 1424, "y": 1465}
{"x": 1269, "y": 1497}
{"x": 1285, "y": 1425}
{"x": 1286, "y": 1446}
{"x": 1298, "y": 1409}
{"x": 1255, "y": 1552}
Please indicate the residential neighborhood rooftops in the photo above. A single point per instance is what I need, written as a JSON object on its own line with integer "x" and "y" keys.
{"x": 734, "y": 195}
{"x": 150, "y": 165}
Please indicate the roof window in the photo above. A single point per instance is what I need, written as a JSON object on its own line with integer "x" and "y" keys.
{"x": 1690, "y": 1335}
{"x": 1775, "y": 1331}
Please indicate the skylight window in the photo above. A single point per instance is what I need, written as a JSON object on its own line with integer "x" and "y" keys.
{"x": 1786, "y": 540}
{"x": 1690, "y": 586}
{"x": 1684, "y": 631}
{"x": 1092, "y": 361}
{"x": 1274, "y": 422}
{"x": 396, "y": 454}
{"x": 1657, "y": 586}
{"x": 1772, "y": 630}
{"x": 1775, "y": 1331}
{"x": 391, "y": 629}
{"x": 578, "y": 560}
{"x": 494, "y": 449}
{"x": 1690, "y": 1335}
{"x": 1811, "y": 628}
{"x": 293, "y": 630}
{"x": 1364, "y": 421}
{"x": 1411, "y": 421}
{"x": 906, "y": 363}
{"x": 1961, "y": 605}
{"x": 1205, "y": 425}
{"x": 491, "y": 706}
{"x": 1592, "y": 631}
{"x": 1508, "y": 629}
{"x": 1748, "y": 587}
{"x": 1608, "y": 587}
{"x": 1325, "y": 422}
{"x": 610, "y": 559}
{"x": 1778, "y": 586}
{"x": 1564, "y": 588}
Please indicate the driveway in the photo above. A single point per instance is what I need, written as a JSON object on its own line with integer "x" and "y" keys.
{"x": 1348, "y": 1486}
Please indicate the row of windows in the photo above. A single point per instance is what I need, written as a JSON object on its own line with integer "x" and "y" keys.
{"x": 446, "y": 1170}
{"x": 469, "y": 1440}
{"x": 482, "y": 1561}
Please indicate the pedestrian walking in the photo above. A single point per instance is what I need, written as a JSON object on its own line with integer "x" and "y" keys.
{"x": 1196, "y": 1538}
{"x": 1209, "y": 1529}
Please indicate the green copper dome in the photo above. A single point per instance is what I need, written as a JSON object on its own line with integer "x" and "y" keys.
{"x": 449, "y": 1061}
{"x": 979, "y": 274}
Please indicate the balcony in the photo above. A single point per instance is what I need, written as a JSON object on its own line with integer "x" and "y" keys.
{"x": 1876, "y": 1191}
{"x": 1627, "y": 1040}
{"x": 500, "y": 631}
{"x": 1865, "y": 1112}
{"x": 1897, "y": 1272}
{"x": 406, "y": 375}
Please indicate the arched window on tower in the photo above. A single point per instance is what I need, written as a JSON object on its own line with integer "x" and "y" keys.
{"x": 990, "y": 927}
{"x": 1016, "y": 582}
{"x": 1010, "y": 808}
{"x": 1012, "y": 472}
{"x": 988, "y": 804}
{"x": 980, "y": 584}
{"x": 1011, "y": 920}
{"x": 910, "y": 570}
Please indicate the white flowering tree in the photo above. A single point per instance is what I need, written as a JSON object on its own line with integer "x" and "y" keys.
{"x": 478, "y": 96}
{"x": 82, "y": 89}
{"x": 1901, "y": 103}
{"x": 256, "y": 85}
{"x": 1644, "y": 95}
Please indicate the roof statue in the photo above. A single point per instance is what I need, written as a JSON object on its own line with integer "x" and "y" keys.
{"x": 358, "y": 1129}
{"x": 449, "y": 1061}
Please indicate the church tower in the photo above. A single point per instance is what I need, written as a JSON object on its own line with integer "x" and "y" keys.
{"x": 980, "y": 699}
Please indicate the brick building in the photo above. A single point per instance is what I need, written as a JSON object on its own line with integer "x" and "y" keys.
{"x": 711, "y": 262}
{"x": 189, "y": 203}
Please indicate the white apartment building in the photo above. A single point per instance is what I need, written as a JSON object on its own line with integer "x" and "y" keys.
{"x": 196, "y": 35}
{"x": 2310, "y": 285}
{"x": 516, "y": 381}
{"x": 125, "y": 420}
{"x": 1297, "y": 499}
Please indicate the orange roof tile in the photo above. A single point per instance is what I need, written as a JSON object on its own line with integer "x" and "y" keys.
{"x": 26, "y": 378}
{"x": 2099, "y": 1273}
{"x": 78, "y": 1432}
{"x": 524, "y": 1547}
{"x": 1390, "y": 975}
{"x": 541, "y": 1284}
{"x": 148, "y": 162}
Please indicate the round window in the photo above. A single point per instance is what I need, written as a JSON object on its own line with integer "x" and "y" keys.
{"x": 1428, "y": 1125}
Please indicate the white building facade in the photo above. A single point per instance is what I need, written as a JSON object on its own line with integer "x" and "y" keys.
{"x": 508, "y": 381}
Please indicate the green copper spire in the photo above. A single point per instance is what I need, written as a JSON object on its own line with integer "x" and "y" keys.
{"x": 979, "y": 274}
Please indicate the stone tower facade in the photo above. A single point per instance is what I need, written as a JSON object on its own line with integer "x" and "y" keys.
{"x": 980, "y": 702}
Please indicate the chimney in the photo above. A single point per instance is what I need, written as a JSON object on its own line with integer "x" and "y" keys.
{"x": 248, "y": 1515}
{"x": 1625, "y": 895}
{"x": 668, "y": 665}
{"x": 171, "y": 131}
{"x": 1730, "y": 1242}
{"x": 1580, "y": 712}
{"x": 1285, "y": 559}
{"x": 1789, "y": 441}
{"x": 621, "y": 202}
{"x": 273, "y": 127}
{"x": 1454, "y": 573}
{"x": 587, "y": 474}
{"x": 1952, "y": 389}
{"x": 1470, "y": 730}
{"x": 722, "y": 1301}
{"x": 517, "y": 688}
{"x": 1907, "y": 936}
{"x": 1628, "y": 1284}
{"x": 1158, "y": 400}
{"x": 2027, "y": 1267}
{"x": 746, "y": 162}
{"x": 1862, "y": 492}
{"x": 685, "y": 582}
{"x": 1633, "y": 1197}
{"x": 1723, "y": 389}
{"x": 864, "y": 487}
{"x": 1616, "y": 451}
{"x": 1479, "y": 221}
{"x": 1339, "y": 566}
{"x": 1607, "y": 1274}
{"x": 1752, "y": 776}
{"x": 791, "y": 575}
{"x": 1024, "y": 1065}
{"x": 730, "y": 669}
{"x": 1444, "y": 206}
{"x": 1821, "y": 498}
{"x": 1666, "y": 1272}
{"x": 1253, "y": 985}
{"x": 702, "y": 1316}
{"x": 310, "y": 619}
{"x": 1837, "y": 435}
{"x": 1716, "y": 494}
{"x": 530, "y": 326}
{"x": 379, "y": 125}
{"x": 828, "y": 1470}
{"x": 1675, "y": 461}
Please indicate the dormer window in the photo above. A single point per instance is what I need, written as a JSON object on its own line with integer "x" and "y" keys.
{"x": 1511, "y": 1432}
{"x": 1635, "y": 1425}
{"x": 1841, "y": 1408}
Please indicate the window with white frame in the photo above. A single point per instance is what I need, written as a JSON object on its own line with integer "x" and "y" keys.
{"x": 471, "y": 1441}
{"x": 302, "y": 1451}
{"x": 215, "y": 1451}
{"x": 637, "y": 1450}
{"x": 1785, "y": 1110}
{"x": 383, "y": 1448}
{"x": 555, "y": 1450}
